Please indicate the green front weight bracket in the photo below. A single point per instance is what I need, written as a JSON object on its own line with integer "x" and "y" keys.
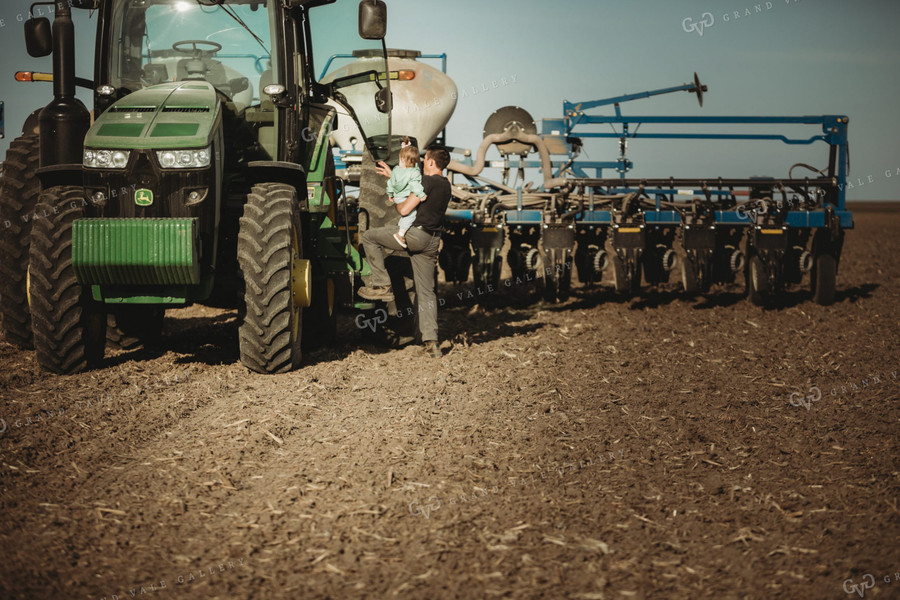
{"x": 161, "y": 252}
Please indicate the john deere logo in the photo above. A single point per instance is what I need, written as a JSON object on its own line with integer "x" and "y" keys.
{"x": 143, "y": 197}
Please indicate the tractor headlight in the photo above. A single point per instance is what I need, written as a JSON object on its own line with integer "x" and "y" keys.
{"x": 106, "y": 159}
{"x": 183, "y": 159}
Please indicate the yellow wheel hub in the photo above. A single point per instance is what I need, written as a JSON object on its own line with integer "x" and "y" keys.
{"x": 301, "y": 276}
{"x": 301, "y": 285}
{"x": 301, "y": 282}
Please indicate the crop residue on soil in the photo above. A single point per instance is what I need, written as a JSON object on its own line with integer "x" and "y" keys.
{"x": 600, "y": 448}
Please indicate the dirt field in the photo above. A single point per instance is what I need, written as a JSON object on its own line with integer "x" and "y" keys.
{"x": 600, "y": 448}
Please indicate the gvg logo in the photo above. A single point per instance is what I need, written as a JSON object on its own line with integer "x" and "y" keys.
{"x": 706, "y": 20}
{"x": 416, "y": 509}
{"x": 867, "y": 583}
{"x": 373, "y": 322}
{"x": 753, "y": 210}
{"x": 2, "y": 426}
{"x": 798, "y": 399}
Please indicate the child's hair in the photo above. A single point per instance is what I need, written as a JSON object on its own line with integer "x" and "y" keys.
{"x": 409, "y": 154}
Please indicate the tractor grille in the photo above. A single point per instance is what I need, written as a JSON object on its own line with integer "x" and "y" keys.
{"x": 186, "y": 109}
{"x": 132, "y": 109}
{"x": 136, "y": 251}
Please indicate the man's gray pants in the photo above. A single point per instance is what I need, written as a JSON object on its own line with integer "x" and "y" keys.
{"x": 422, "y": 248}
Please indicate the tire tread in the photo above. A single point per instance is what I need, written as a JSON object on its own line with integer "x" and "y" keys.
{"x": 60, "y": 307}
{"x": 264, "y": 256}
{"x": 19, "y": 190}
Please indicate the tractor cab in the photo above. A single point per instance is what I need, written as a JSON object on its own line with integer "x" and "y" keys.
{"x": 206, "y": 174}
{"x": 242, "y": 48}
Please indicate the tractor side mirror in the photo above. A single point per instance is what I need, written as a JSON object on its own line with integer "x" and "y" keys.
{"x": 384, "y": 101}
{"x": 372, "y": 19}
{"x": 38, "y": 37}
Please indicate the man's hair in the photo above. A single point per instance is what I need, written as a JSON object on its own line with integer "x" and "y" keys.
{"x": 440, "y": 156}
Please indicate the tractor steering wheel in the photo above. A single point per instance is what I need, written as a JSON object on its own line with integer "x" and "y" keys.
{"x": 195, "y": 51}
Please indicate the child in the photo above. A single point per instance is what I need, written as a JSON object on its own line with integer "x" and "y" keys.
{"x": 406, "y": 179}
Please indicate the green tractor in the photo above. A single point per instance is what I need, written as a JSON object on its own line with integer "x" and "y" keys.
{"x": 205, "y": 174}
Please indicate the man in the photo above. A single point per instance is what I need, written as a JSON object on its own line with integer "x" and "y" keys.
{"x": 423, "y": 241}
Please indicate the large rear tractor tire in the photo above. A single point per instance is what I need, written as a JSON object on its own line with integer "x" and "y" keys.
{"x": 19, "y": 190}
{"x": 69, "y": 326}
{"x": 373, "y": 197}
{"x": 276, "y": 279}
{"x": 825, "y": 279}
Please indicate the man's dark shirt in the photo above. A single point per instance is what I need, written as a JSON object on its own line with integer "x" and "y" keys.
{"x": 430, "y": 214}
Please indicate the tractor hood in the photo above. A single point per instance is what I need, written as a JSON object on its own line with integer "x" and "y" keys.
{"x": 169, "y": 115}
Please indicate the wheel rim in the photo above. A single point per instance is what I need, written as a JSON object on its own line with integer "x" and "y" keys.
{"x": 301, "y": 285}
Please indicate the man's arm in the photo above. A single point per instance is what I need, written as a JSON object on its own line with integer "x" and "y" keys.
{"x": 408, "y": 205}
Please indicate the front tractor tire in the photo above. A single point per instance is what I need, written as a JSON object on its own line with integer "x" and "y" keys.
{"x": 69, "y": 326}
{"x": 276, "y": 279}
{"x": 19, "y": 190}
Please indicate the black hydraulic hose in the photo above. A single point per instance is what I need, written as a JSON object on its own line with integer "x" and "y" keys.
{"x": 805, "y": 166}
{"x": 343, "y": 197}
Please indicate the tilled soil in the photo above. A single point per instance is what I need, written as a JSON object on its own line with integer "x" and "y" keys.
{"x": 600, "y": 448}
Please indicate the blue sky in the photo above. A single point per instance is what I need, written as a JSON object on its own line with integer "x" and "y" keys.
{"x": 786, "y": 57}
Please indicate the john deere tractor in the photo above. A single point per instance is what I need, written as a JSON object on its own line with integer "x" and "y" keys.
{"x": 204, "y": 174}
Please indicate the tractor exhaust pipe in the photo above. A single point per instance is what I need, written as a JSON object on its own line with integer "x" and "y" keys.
{"x": 65, "y": 121}
{"x": 63, "y": 52}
